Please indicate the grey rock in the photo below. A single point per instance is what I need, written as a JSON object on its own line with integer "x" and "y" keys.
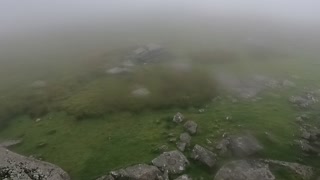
{"x": 305, "y": 134}
{"x": 184, "y": 177}
{"x": 303, "y": 101}
{"x": 203, "y": 155}
{"x": 16, "y": 166}
{"x": 140, "y": 92}
{"x": 191, "y": 127}
{"x": 306, "y": 147}
{"x": 178, "y": 118}
{"x": 288, "y": 83}
{"x": 138, "y": 172}
{"x": 246, "y": 145}
{"x": 107, "y": 177}
{"x": 305, "y": 172}
{"x": 173, "y": 161}
{"x": 222, "y": 146}
{"x": 181, "y": 146}
{"x": 118, "y": 70}
{"x": 185, "y": 138}
{"x": 148, "y": 54}
{"x": 244, "y": 170}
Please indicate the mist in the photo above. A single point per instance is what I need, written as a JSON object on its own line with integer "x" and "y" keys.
{"x": 100, "y": 88}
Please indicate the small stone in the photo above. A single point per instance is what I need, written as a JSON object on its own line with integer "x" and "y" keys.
{"x": 186, "y": 138}
{"x": 178, "y": 118}
{"x": 191, "y": 127}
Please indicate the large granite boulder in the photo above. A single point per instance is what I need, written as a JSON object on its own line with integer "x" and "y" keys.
{"x": 137, "y": 172}
{"x": 173, "y": 161}
{"x": 245, "y": 145}
{"x": 244, "y": 170}
{"x": 15, "y": 166}
{"x": 204, "y": 155}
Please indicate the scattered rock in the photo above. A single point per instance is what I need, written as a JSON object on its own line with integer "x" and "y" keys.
{"x": 185, "y": 138}
{"x": 173, "y": 161}
{"x": 305, "y": 134}
{"x": 181, "y": 146}
{"x": 222, "y": 146}
{"x": 246, "y": 145}
{"x": 191, "y": 127}
{"x": 147, "y": 54}
{"x": 118, "y": 70}
{"x": 305, "y": 172}
{"x": 162, "y": 148}
{"x": 183, "y": 177}
{"x": 306, "y": 147}
{"x": 15, "y": 166}
{"x": 203, "y": 155}
{"x": 140, "y": 92}
{"x": 244, "y": 170}
{"x": 138, "y": 172}
{"x": 287, "y": 83}
{"x": 178, "y": 118}
{"x": 303, "y": 101}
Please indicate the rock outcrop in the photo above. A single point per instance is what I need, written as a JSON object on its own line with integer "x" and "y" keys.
{"x": 245, "y": 145}
{"x": 305, "y": 172}
{"x": 174, "y": 162}
{"x": 15, "y": 166}
{"x": 204, "y": 155}
{"x": 244, "y": 170}
{"x": 136, "y": 172}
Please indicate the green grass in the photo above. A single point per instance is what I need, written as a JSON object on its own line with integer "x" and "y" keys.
{"x": 116, "y": 130}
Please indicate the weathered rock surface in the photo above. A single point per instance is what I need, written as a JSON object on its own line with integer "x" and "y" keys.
{"x": 245, "y": 145}
{"x": 244, "y": 170}
{"x": 222, "y": 146}
{"x": 137, "y": 172}
{"x": 178, "y": 118}
{"x": 185, "y": 138}
{"x": 305, "y": 172}
{"x": 17, "y": 167}
{"x": 184, "y": 177}
{"x": 181, "y": 146}
{"x": 191, "y": 127}
{"x": 203, "y": 155}
{"x": 174, "y": 162}
{"x": 303, "y": 101}
{"x": 306, "y": 147}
